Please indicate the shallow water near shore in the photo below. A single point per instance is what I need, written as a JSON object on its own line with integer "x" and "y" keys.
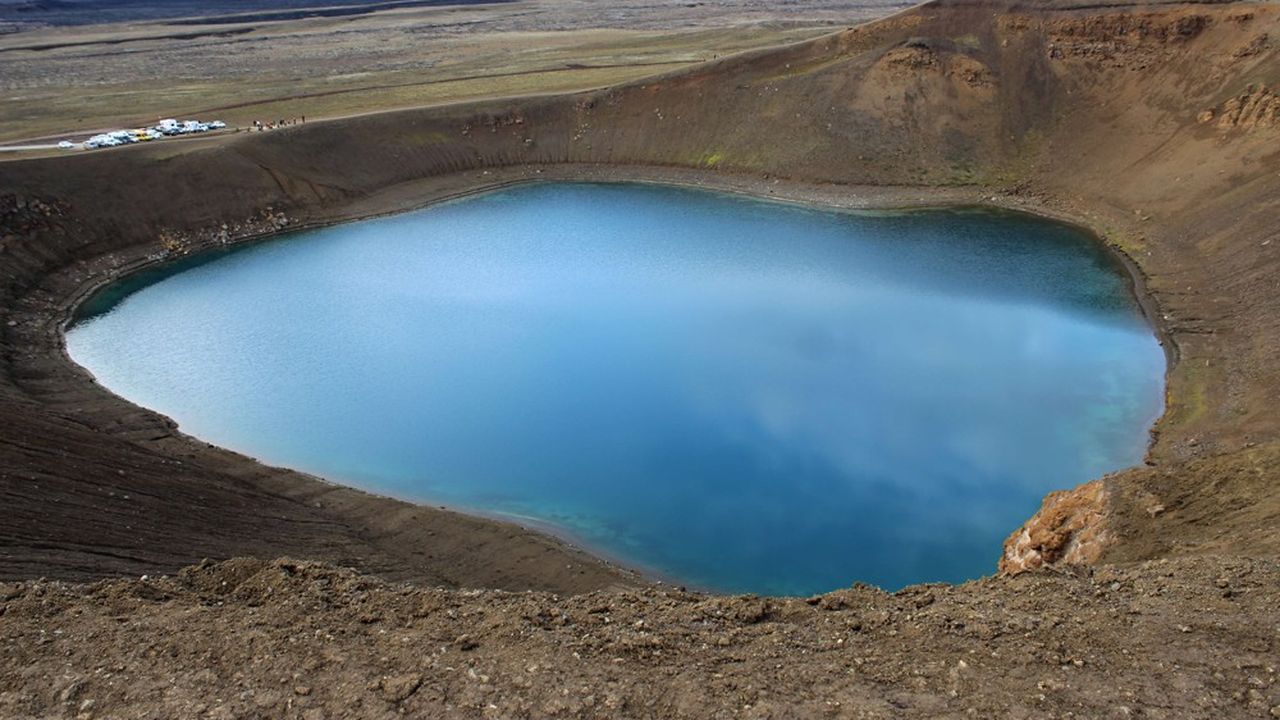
{"x": 734, "y": 394}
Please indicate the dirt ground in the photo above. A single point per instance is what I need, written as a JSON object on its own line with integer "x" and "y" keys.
{"x": 287, "y": 639}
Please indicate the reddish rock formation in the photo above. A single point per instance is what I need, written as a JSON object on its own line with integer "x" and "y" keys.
{"x": 1069, "y": 529}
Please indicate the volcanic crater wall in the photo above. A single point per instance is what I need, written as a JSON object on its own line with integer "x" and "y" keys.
{"x": 1153, "y": 124}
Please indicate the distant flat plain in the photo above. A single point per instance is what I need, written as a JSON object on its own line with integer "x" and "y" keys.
{"x": 72, "y": 80}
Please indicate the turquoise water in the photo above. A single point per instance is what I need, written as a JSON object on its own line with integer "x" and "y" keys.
{"x": 734, "y": 394}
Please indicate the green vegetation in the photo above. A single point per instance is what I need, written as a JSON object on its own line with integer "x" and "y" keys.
{"x": 1186, "y": 395}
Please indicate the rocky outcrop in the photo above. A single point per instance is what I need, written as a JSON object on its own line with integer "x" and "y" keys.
{"x": 1256, "y": 46}
{"x": 971, "y": 71}
{"x": 1069, "y": 529}
{"x": 920, "y": 56}
{"x": 1131, "y": 29}
{"x": 914, "y": 56}
{"x": 1124, "y": 40}
{"x": 1257, "y": 107}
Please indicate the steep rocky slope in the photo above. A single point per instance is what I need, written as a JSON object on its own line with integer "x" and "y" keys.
{"x": 1154, "y": 124}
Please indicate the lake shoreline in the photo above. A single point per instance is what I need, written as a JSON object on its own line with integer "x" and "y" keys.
{"x": 432, "y": 191}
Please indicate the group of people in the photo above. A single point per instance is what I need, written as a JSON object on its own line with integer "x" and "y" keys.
{"x": 258, "y": 125}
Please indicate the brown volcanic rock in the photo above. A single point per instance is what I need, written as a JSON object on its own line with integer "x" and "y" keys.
{"x": 1070, "y": 528}
{"x": 1257, "y": 107}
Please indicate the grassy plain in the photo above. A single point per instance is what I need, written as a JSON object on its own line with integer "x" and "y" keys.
{"x": 73, "y": 81}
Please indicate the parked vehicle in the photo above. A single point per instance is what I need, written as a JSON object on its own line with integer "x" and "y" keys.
{"x": 167, "y": 126}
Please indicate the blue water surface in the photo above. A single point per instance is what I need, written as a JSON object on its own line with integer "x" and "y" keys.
{"x": 734, "y": 394}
